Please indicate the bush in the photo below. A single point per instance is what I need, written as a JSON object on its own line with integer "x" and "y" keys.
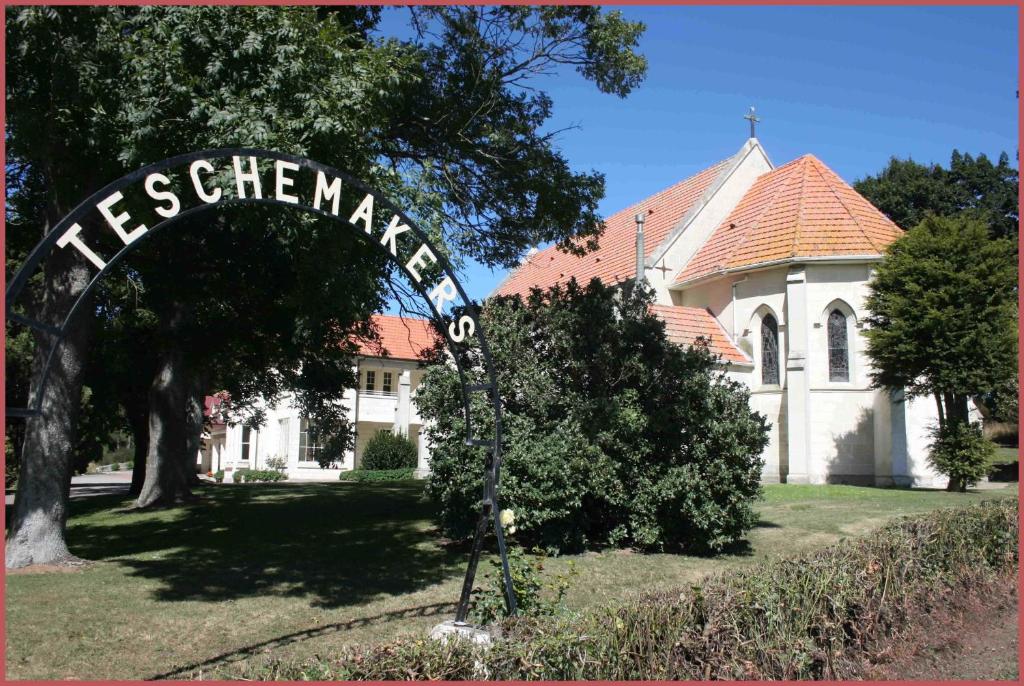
{"x": 961, "y": 452}
{"x": 251, "y": 476}
{"x": 218, "y": 476}
{"x": 810, "y": 617}
{"x": 377, "y": 474}
{"x": 387, "y": 450}
{"x": 613, "y": 435}
{"x": 277, "y": 463}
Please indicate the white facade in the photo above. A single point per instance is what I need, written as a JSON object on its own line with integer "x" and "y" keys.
{"x": 822, "y": 431}
{"x": 384, "y": 401}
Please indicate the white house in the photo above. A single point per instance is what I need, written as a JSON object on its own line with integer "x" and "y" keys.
{"x": 771, "y": 264}
{"x": 383, "y": 402}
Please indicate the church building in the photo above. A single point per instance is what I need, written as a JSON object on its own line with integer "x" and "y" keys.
{"x": 770, "y": 266}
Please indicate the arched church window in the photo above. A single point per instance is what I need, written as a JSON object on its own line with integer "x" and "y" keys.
{"x": 838, "y": 347}
{"x": 769, "y": 350}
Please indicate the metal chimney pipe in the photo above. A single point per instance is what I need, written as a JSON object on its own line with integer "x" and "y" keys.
{"x": 640, "y": 217}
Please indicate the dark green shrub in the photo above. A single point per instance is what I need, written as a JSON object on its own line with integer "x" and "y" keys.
{"x": 810, "y": 617}
{"x": 251, "y": 476}
{"x": 387, "y": 450}
{"x": 218, "y": 476}
{"x": 377, "y": 474}
{"x": 613, "y": 435}
{"x": 961, "y": 452}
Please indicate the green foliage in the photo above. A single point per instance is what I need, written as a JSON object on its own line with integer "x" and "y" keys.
{"x": 387, "y": 450}
{"x": 534, "y": 596}
{"x": 218, "y": 476}
{"x": 961, "y": 452}
{"x": 277, "y": 463}
{"x": 451, "y": 124}
{"x": 810, "y": 617}
{"x": 612, "y": 434}
{"x": 360, "y": 475}
{"x": 252, "y": 476}
{"x": 943, "y": 312}
{"x": 908, "y": 192}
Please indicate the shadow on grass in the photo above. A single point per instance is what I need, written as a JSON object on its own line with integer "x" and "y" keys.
{"x": 338, "y": 544}
{"x": 246, "y": 652}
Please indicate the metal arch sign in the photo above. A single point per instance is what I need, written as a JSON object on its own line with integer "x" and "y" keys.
{"x": 216, "y": 178}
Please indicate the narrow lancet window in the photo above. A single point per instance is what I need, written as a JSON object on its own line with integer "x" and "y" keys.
{"x": 769, "y": 350}
{"x": 838, "y": 347}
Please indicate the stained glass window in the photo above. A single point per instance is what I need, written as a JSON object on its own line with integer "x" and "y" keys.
{"x": 769, "y": 350}
{"x": 838, "y": 348}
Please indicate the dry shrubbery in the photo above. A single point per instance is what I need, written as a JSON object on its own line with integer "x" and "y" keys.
{"x": 810, "y": 617}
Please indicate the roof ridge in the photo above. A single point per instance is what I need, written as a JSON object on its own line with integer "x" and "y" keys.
{"x": 800, "y": 204}
{"x": 760, "y": 215}
{"x": 820, "y": 167}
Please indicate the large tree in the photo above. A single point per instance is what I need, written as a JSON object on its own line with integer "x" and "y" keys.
{"x": 943, "y": 317}
{"x": 908, "y": 191}
{"x": 449, "y": 121}
{"x": 612, "y": 434}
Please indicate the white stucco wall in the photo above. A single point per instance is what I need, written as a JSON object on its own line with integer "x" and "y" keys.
{"x": 695, "y": 228}
{"x": 848, "y": 425}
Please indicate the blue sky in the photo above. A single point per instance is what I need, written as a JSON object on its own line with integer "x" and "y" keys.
{"x": 852, "y": 85}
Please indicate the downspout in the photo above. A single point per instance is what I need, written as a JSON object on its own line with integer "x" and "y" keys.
{"x": 737, "y": 282}
{"x": 639, "y": 217}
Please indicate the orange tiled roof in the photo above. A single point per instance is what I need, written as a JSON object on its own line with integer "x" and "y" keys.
{"x": 403, "y": 338}
{"x": 615, "y": 258}
{"x": 801, "y": 209}
{"x": 684, "y": 325}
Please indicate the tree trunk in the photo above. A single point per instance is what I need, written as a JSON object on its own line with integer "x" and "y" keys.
{"x": 36, "y": 531}
{"x": 956, "y": 411}
{"x": 138, "y": 419}
{"x": 194, "y": 424}
{"x": 165, "y": 482}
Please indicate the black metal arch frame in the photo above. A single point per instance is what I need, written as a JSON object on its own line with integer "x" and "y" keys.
{"x": 490, "y": 510}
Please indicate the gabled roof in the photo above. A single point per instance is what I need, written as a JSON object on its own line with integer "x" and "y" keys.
{"x": 683, "y": 325}
{"x": 403, "y": 338}
{"x": 801, "y": 209}
{"x": 615, "y": 258}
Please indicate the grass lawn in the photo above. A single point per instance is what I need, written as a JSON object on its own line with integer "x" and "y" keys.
{"x": 291, "y": 571}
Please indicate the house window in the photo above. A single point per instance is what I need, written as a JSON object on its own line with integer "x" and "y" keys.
{"x": 371, "y": 381}
{"x": 246, "y": 442}
{"x": 838, "y": 347}
{"x": 284, "y": 431}
{"x": 769, "y": 350}
{"x": 386, "y": 382}
{"x": 309, "y": 447}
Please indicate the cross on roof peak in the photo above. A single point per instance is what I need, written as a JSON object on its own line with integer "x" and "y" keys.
{"x": 753, "y": 119}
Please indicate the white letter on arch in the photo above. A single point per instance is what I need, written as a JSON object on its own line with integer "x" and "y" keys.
{"x": 252, "y": 176}
{"x": 394, "y": 229}
{"x": 465, "y": 328}
{"x": 117, "y": 223}
{"x": 417, "y": 263}
{"x": 193, "y": 171}
{"x": 151, "y": 191}
{"x": 324, "y": 191}
{"x": 364, "y": 212}
{"x": 442, "y": 293}
{"x": 284, "y": 182}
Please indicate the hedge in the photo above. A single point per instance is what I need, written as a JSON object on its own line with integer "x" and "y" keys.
{"x": 258, "y": 475}
{"x": 377, "y": 474}
{"x": 809, "y": 617}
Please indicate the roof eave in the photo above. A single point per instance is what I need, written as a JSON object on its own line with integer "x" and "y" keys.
{"x": 759, "y": 266}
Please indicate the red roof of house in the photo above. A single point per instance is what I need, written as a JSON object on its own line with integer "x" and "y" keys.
{"x": 615, "y": 258}
{"x": 403, "y": 338}
{"x": 801, "y": 209}
{"x": 684, "y": 325}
